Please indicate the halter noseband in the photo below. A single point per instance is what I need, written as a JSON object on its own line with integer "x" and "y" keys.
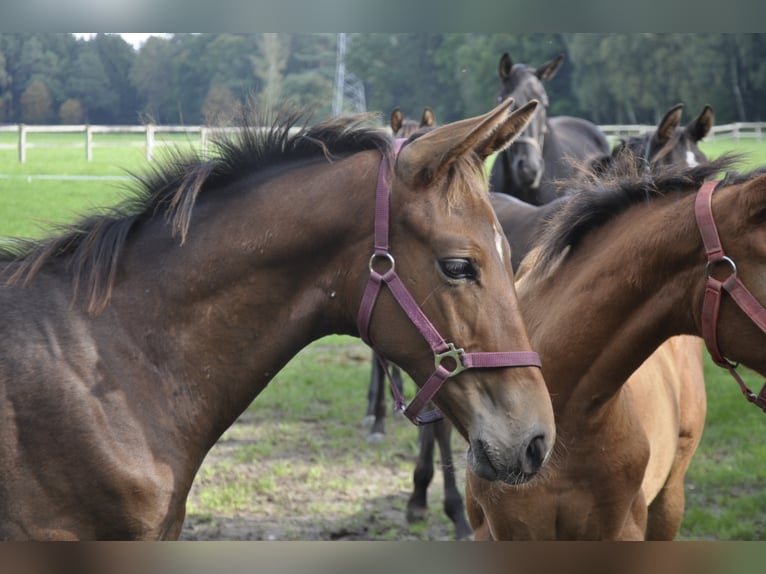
{"x": 714, "y": 288}
{"x": 441, "y": 349}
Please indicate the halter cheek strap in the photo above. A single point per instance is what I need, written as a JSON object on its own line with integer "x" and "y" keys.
{"x": 714, "y": 288}
{"x": 457, "y": 359}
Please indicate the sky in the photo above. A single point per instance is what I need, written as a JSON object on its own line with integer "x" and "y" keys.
{"x": 133, "y": 38}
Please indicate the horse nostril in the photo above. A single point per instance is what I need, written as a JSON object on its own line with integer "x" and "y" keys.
{"x": 534, "y": 457}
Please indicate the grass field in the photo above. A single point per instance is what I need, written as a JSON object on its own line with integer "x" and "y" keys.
{"x": 317, "y": 401}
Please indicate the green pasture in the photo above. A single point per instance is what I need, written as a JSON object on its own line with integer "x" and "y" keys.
{"x": 326, "y": 384}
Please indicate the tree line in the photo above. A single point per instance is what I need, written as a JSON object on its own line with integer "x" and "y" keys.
{"x": 203, "y": 78}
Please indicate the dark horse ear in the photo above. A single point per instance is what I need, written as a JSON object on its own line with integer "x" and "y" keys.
{"x": 699, "y": 128}
{"x": 669, "y": 122}
{"x": 504, "y": 68}
{"x": 396, "y": 119}
{"x": 433, "y": 154}
{"x": 428, "y": 120}
{"x": 549, "y": 69}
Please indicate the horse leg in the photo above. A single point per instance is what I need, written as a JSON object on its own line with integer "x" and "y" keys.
{"x": 376, "y": 402}
{"x": 396, "y": 377}
{"x": 453, "y": 501}
{"x": 417, "y": 505}
{"x": 666, "y": 511}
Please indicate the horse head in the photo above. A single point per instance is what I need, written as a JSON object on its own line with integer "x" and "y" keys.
{"x": 669, "y": 143}
{"x": 452, "y": 255}
{"x": 523, "y": 83}
{"x": 404, "y": 128}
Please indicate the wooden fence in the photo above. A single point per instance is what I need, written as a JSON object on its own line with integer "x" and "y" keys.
{"x": 736, "y": 131}
{"x": 150, "y": 138}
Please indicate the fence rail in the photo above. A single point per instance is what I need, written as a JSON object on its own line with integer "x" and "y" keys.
{"x": 150, "y": 132}
{"x": 735, "y": 131}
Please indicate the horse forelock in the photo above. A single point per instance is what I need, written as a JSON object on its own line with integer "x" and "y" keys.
{"x": 595, "y": 200}
{"x": 171, "y": 187}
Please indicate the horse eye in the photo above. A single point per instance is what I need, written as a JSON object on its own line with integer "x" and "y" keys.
{"x": 456, "y": 268}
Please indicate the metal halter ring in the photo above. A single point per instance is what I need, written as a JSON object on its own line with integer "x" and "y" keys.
{"x": 708, "y": 267}
{"x": 388, "y": 256}
{"x": 451, "y": 353}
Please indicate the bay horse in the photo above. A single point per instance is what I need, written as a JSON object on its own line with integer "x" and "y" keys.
{"x": 522, "y": 223}
{"x": 548, "y": 149}
{"x": 134, "y": 338}
{"x": 618, "y": 271}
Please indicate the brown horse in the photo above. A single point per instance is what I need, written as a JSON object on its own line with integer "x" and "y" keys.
{"x": 133, "y": 340}
{"x": 522, "y": 223}
{"x": 620, "y": 269}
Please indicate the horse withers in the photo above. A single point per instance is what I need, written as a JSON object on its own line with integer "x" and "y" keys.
{"x": 546, "y": 152}
{"x": 136, "y": 337}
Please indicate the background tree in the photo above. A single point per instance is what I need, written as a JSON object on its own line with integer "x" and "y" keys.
{"x": 269, "y": 65}
{"x": 221, "y": 107}
{"x": 89, "y": 83}
{"x": 36, "y": 103}
{"x": 71, "y": 112}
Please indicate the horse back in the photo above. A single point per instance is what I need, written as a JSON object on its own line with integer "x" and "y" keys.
{"x": 571, "y": 138}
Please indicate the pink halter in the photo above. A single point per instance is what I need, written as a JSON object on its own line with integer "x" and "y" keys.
{"x": 703, "y": 211}
{"x": 441, "y": 349}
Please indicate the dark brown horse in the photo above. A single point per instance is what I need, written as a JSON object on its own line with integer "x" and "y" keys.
{"x": 620, "y": 270}
{"x": 531, "y": 167}
{"x": 133, "y": 340}
{"x": 668, "y": 144}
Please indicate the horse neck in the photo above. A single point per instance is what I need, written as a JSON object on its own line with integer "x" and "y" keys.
{"x": 262, "y": 273}
{"x": 605, "y": 308}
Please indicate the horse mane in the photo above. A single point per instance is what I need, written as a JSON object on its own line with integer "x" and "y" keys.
{"x": 170, "y": 188}
{"x": 597, "y": 198}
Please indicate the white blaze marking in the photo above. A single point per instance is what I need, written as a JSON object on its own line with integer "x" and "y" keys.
{"x": 499, "y": 243}
{"x": 691, "y": 161}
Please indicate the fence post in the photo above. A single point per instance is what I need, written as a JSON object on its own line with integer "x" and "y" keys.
{"x": 149, "y": 141}
{"x": 88, "y": 143}
{"x": 22, "y": 143}
{"x": 203, "y": 137}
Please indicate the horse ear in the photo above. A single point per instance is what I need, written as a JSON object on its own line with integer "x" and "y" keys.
{"x": 699, "y": 127}
{"x": 430, "y": 156}
{"x": 428, "y": 120}
{"x": 504, "y": 135}
{"x": 669, "y": 122}
{"x": 396, "y": 120}
{"x": 504, "y": 68}
{"x": 549, "y": 69}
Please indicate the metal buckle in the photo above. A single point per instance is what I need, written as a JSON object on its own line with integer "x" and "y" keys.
{"x": 451, "y": 353}
{"x": 388, "y": 256}
{"x": 724, "y": 259}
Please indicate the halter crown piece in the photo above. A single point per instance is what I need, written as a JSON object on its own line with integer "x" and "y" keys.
{"x": 703, "y": 211}
{"x": 441, "y": 349}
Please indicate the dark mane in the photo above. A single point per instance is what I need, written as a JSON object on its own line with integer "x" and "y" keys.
{"x": 597, "y": 199}
{"x": 169, "y": 189}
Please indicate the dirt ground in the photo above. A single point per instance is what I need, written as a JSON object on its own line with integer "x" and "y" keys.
{"x": 309, "y": 473}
